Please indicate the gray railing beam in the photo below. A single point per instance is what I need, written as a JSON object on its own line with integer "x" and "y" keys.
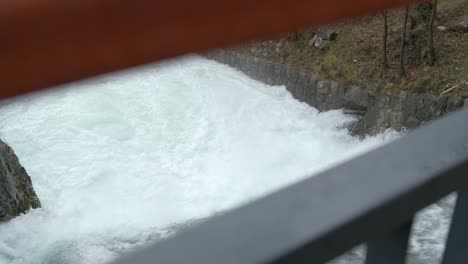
{"x": 390, "y": 249}
{"x": 456, "y": 250}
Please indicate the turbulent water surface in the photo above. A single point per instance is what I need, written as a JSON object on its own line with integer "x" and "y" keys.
{"x": 119, "y": 160}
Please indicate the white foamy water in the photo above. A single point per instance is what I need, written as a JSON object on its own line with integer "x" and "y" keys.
{"x": 117, "y": 161}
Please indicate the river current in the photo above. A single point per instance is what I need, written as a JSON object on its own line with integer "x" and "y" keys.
{"x": 122, "y": 160}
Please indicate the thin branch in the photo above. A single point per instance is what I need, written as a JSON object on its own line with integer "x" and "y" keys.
{"x": 450, "y": 89}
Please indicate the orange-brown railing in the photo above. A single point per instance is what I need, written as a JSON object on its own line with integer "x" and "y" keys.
{"x": 48, "y": 42}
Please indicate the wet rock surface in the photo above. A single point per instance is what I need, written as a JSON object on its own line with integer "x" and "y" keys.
{"x": 16, "y": 191}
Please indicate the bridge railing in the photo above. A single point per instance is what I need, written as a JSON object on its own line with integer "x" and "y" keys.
{"x": 371, "y": 199}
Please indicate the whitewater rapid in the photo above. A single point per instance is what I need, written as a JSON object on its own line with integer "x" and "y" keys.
{"x": 120, "y": 160}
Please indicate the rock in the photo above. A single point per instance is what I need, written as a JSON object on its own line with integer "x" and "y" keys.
{"x": 312, "y": 40}
{"x": 442, "y": 28}
{"x": 465, "y": 103}
{"x": 320, "y": 43}
{"x": 326, "y": 33}
{"x": 412, "y": 122}
{"x": 322, "y": 37}
{"x": 356, "y": 99}
{"x": 323, "y": 87}
{"x": 453, "y": 103}
{"x": 16, "y": 191}
{"x": 462, "y": 26}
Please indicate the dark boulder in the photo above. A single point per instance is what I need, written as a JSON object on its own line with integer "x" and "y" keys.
{"x": 16, "y": 191}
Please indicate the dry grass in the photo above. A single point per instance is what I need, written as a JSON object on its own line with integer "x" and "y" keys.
{"x": 355, "y": 56}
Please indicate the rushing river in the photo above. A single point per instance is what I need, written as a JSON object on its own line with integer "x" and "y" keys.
{"x": 119, "y": 161}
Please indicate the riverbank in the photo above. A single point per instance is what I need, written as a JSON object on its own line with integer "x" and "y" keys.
{"x": 351, "y": 52}
{"x": 378, "y": 110}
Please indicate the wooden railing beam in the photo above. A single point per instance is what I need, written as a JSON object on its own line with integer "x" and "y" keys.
{"x": 49, "y": 42}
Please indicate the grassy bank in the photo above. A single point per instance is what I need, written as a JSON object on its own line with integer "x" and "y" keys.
{"x": 355, "y": 55}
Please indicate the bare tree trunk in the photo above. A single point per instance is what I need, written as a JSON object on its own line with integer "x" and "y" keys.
{"x": 431, "y": 33}
{"x": 403, "y": 37}
{"x": 384, "y": 46}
